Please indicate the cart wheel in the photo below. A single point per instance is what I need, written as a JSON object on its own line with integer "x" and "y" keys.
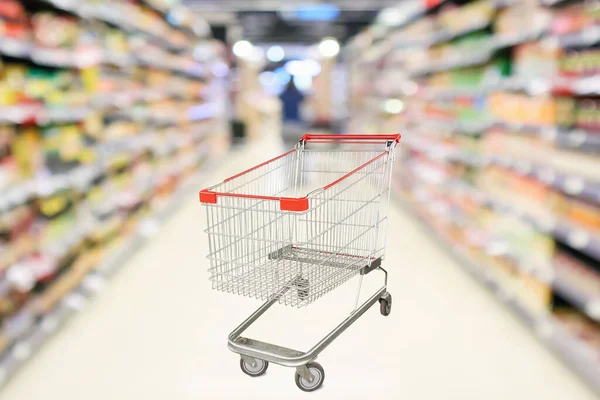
{"x": 385, "y": 305}
{"x": 319, "y": 376}
{"x": 257, "y": 369}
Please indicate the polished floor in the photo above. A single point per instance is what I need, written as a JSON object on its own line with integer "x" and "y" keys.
{"x": 159, "y": 332}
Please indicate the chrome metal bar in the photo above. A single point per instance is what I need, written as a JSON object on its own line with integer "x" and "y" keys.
{"x": 287, "y": 357}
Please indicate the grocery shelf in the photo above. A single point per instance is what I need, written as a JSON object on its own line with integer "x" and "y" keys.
{"x": 583, "y": 86}
{"x": 584, "y": 361}
{"x": 575, "y": 138}
{"x": 70, "y": 106}
{"x": 456, "y": 61}
{"x": 578, "y": 139}
{"x": 586, "y": 37}
{"x": 82, "y": 59}
{"x": 543, "y": 326}
{"x": 482, "y": 55}
{"x": 567, "y": 233}
{"x": 586, "y": 303}
{"x": 80, "y": 177}
{"x": 561, "y": 86}
{"x": 36, "y": 333}
{"x": 570, "y": 184}
{"x": 552, "y": 2}
{"x": 442, "y": 36}
{"x": 460, "y": 97}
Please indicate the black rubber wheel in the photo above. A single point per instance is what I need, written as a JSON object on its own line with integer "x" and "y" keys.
{"x": 258, "y": 369}
{"x": 385, "y": 305}
{"x": 319, "y": 377}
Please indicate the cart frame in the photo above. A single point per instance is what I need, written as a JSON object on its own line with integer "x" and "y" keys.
{"x": 256, "y": 355}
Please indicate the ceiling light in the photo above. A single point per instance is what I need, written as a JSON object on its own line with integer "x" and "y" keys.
{"x": 393, "y": 106}
{"x": 242, "y": 49}
{"x": 391, "y": 16}
{"x": 275, "y": 54}
{"x": 329, "y": 47}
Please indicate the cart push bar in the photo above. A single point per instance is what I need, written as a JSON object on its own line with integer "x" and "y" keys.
{"x": 256, "y": 355}
{"x": 300, "y": 204}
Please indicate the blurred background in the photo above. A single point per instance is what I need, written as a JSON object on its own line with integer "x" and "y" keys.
{"x": 113, "y": 113}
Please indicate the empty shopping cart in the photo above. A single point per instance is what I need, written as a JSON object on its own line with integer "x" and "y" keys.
{"x": 294, "y": 228}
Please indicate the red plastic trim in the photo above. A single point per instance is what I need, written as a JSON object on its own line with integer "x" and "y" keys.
{"x": 309, "y": 136}
{"x": 206, "y": 196}
{"x": 293, "y": 204}
{"x": 259, "y": 165}
{"x": 300, "y": 203}
{"x": 354, "y": 171}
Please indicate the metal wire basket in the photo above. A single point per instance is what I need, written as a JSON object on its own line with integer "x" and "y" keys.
{"x": 306, "y": 221}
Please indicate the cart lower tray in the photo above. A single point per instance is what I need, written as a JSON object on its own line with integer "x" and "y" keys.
{"x": 308, "y": 273}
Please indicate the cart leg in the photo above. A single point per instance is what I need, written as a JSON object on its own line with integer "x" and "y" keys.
{"x": 386, "y": 274}
{"x": 304, "y": 372}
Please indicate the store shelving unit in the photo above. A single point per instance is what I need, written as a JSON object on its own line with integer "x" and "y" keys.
{"x": 496, "y": 102}
{"x": 102, "y": 135}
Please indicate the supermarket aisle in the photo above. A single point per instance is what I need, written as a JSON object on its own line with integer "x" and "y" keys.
{"x": 159, "y": 332}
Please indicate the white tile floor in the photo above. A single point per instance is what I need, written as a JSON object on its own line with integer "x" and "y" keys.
{"x": 159, "y": 332}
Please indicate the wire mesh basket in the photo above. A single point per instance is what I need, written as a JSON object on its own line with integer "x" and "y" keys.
{"x": 303, "y": 223}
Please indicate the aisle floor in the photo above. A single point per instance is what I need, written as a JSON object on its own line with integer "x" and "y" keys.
{"x": 158, "y": 331}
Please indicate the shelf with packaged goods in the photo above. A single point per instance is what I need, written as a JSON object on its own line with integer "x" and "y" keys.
{"x": 563, "y": 138}
{"x": 537, "y": 205}
{"x": 40, "y": 114}
{"x": 124, "y": 16}
{"x": 497, "y": 42}
{"x": 570, "y": 233}
{"x": 575, "y": 138}
{"x": 87, "y": 50}
{"x": 570, "y": 184}
{"x": 570, "y": 349}
{"x": 32, "y": 330}
{"x": 90, "y": 215}
{"x": 552, "y": 2}
{"x": 472, "y": 57}
{"x": 61, "y": 58}
{"x": 586, "y": 300}
{"x": 445, "y": 34}
{"x": 557, "y": 85}
{"x": 586, "y": 37}
{"x": 494, "y": 43}
{"x": 81, "y": 176}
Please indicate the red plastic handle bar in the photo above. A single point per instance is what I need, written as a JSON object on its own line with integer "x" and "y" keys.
{"x": 309, "y": 136}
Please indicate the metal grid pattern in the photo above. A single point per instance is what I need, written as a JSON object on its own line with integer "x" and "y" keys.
{"x": 256, "y": 249}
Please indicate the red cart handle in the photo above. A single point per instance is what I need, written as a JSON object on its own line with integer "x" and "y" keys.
{"x": 309, "y": 136}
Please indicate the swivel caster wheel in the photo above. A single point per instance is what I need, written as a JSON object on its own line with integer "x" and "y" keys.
{"x": 318, "y": 377}
{"x": 385, "y": 304}
{"x": 255, "y": 368}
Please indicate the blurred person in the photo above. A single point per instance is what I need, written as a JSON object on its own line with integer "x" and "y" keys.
{"x": 292, "y": 99}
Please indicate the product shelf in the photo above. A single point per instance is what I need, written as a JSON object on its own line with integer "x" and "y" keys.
{"x": 42, "y": 329}
{"x": 582, "y": 359}
{"x": 133, "y": 139}
{"x": 568, "y": 233}
{"x": 499, "y": 130}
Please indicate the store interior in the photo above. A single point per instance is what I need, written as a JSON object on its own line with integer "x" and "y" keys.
{"x": 115, "y": 114}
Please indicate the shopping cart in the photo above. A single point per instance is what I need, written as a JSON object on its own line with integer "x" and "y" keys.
{"x": 269, "y": 242}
